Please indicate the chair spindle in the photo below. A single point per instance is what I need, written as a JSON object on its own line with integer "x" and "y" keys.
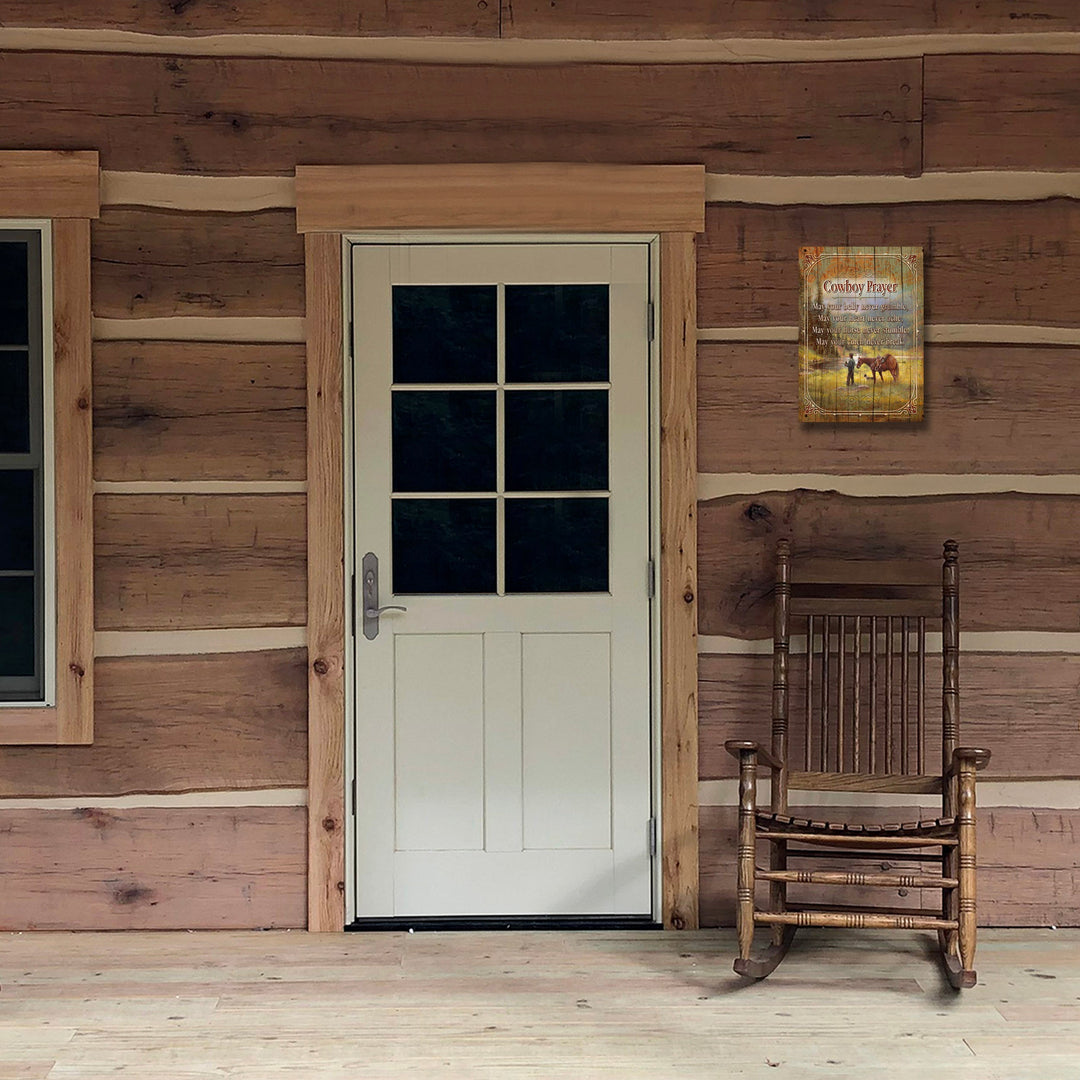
{"x": 874, "y": 654}
{"x": 888, "y": 694}
{"x": 809, "y": 687}
{"x": 905, "y": 679}
{"x": 920, "y": 691}
{"x": 841, "y": 652}
{"x": 855, "y": 694}
{"x": 823, "y": 716}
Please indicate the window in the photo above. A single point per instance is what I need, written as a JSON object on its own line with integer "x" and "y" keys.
{"x": 46, "y": 489}
{"x": 27, "y": 610}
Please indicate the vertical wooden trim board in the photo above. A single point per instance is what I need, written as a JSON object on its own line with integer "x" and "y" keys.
{"x": 326, "y": 583}
{"x": 678, "y": 579}
{"x": 665, "y": 200}
{"x": 63, "y": 186}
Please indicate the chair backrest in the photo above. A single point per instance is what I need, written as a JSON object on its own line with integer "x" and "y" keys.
{"x": 850, "y": 708}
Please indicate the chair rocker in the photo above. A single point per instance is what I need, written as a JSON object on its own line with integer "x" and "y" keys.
{"x": 863, "y": 727}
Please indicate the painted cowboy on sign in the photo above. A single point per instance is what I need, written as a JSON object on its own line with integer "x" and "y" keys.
{"x": 861, "y": 334}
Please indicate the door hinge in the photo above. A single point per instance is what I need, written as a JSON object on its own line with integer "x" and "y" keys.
{"x": 651, "y": 320}
{"x": 353, "y": 786}
{"x": 650, "y": 584}
{"x": 652, "y": 837}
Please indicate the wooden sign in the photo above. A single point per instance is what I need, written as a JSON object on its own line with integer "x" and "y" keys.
{"x": 861, "y": 334}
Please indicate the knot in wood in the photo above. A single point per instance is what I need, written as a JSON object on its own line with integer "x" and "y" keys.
{"x": 329, "y": 824}
{"x": 321, "y": 666}
{"x": 340, "y": 886}
{"x": 688, "y": 596}
{"x": 678, "y": 922}
{"x": 77, "y": 670}
{"x": 83, "y": 402}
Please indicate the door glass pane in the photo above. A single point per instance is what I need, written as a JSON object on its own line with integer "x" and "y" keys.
{"x": 556, "y": 545}
{"x": 556, "y": 440}
{"x": 557, "y": 333}
{"x": 14, "y": 306}
{"x": 14, "y": 402}
{"x": 16, "y": 520}
{"x": 444, "y": 546}
{"x": 444, "y": 333}
{"x": 17, "y": 631}
{"x": 444, "y": 440}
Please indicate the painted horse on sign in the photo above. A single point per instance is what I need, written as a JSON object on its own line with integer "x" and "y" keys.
{"x": 881, "y": 365}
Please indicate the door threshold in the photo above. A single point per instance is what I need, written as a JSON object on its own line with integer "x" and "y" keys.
{"x": 424, "y": 923}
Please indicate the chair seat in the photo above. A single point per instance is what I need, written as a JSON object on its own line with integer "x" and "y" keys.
{"x": 785, "y": 822}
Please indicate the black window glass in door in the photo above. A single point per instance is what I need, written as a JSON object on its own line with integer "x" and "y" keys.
{"x": 500, "y": 440}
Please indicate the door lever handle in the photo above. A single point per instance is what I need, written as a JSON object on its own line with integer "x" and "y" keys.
{"x": 375, "y": 612}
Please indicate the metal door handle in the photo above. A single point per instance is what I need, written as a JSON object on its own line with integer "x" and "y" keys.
{"x": 369, "y": 597}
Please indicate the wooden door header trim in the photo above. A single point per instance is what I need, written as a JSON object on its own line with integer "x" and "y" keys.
{"x": 547, "y": 197}
{"x": 49, "y": 184}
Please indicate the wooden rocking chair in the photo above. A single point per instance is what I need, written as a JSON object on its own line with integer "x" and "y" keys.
{"x": 864, "y": 708}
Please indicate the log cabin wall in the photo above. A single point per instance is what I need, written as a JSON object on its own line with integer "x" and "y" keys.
{"x": 946, "y": 124}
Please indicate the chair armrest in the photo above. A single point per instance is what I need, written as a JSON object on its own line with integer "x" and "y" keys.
{"x": 980, "y": 758}
{"x": 737, "y": 747}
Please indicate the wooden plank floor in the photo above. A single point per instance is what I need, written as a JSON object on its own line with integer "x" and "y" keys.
{"x": 265, "y": 1006}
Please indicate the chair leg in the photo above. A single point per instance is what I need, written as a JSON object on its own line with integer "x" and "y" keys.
{"x": 778, "y": 889}
{"x": 747, "y": 852}
{"x": 966, "y": 859}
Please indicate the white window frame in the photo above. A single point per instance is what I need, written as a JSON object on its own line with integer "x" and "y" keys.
{"x": 48, "y": 454}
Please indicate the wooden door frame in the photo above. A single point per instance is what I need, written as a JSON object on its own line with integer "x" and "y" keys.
{"x": 541, "y": 199}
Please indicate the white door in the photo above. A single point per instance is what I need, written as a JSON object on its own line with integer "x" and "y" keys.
{"x": 502, "y": 733}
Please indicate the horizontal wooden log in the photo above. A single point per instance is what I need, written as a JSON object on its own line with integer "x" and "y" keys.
{"x": 1000, "y": 112}
{"x": 255, "y": 116}
{"x": 1024, "y": 707}
{"x": 352, "y": 18}
{"x": 643, "y": 19}
{"x": 158, "y": 263}
{"x": 167, "y": 410}
{"x": 1018, "y": 557}
{"x": 231, "y": 721}
{"x": 990, "y": 409}
{"x": 186, "y": 562}
{"x": 1027, "y": 871}
{"x": 1026, "y": 269}
{"x": 144, "y": 869}
{"x": 47, "y": 184}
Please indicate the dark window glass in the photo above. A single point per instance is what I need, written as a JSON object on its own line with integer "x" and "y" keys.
{"x": 444, "y": 440}
{"x": 17, "y": 634}
{"x": 444, "y": 333}
{"x": 444, "y": 546}
{"x": 14, "y": 294}
{"x": 556, "y": 440}
{"x": 16, "y": 520}
{"x": 557, "y": 333}
{"x": 556, "y": 545}
{"x": 14, "y": 402}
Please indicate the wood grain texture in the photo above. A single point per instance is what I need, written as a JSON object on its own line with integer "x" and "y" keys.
{"x": 678, "y": 582}
{"x": 176, "y": 562}
{"x": 561, "y": 197}
{"x": 1004, "y": 409}
{"x": 236, "y": 116}
{"x": 1027, "y": 872}
{"x": 49, "y": 184}
{"x": 1023, "y": 707}
{"x": 161, "y": 263}
{"x": 144, "y": 869}
{"x": 231, "y": 721}
{"x": 198, "y": 411}
{"x": 643, "y": 19}
{"x": 325, "y": 585}
{"x": 1018, "y": 556}
{"x": 967, "y": 125}
{"x": 351, "y": 18}
{"x": 1026, "y": 269}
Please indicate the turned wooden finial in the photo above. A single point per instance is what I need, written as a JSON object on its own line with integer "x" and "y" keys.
{"x": 952, "y": 551}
